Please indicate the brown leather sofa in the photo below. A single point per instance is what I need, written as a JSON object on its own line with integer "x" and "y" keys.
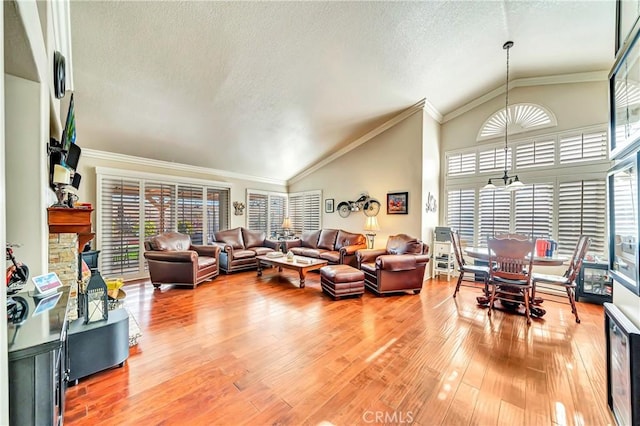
{"x": 334, "y": 245}
{"x": 172, "y": 259}
{"x": 240, "y": 246}
{"x": 399, "y": 267}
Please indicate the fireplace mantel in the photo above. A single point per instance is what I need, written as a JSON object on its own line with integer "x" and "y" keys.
{"x": 71, "y": 221}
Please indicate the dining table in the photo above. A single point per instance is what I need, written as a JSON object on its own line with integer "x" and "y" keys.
{"x": 482, "y": 253}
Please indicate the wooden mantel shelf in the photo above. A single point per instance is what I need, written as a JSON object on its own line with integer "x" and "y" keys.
{"x": 71, "y": 221}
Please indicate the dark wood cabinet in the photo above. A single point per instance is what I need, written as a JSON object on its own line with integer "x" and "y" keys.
{"x": 38, "y": 362}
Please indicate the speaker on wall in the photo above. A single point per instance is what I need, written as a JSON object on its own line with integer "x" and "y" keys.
{"x": 75, "y": 182}
{"x": 73, "y": 156}
{"x": 59, "y": 74}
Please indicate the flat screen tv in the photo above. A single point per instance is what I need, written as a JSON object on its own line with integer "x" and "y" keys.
{"x": 71, "y": 153}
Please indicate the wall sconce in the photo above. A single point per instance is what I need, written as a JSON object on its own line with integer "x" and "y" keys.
{"x": 371, "y": 225}
{"x": 431, "y": 204}
{"x": 286, "y": 226}
{"x": 61, "y": 178}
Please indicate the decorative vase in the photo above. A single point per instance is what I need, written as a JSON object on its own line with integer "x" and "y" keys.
{"x": 289, "y": 256}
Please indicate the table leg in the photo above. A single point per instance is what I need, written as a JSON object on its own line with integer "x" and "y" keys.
{"x": 259, "y": 268}
{"x": 302, "y": 275}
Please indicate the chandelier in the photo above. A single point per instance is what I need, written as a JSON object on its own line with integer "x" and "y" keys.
{"x": 511, "y": 182}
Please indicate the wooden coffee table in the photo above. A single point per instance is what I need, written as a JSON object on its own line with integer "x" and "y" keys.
{"x": 299, "y": 264}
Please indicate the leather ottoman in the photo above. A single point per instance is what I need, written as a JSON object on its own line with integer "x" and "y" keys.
{"x": 341, "y": 280}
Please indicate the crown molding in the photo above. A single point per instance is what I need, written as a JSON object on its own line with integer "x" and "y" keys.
{"x": 585, "y": 77}
{"x": 122, "y": 158}
{"x": 432, "y": 111}
{"x": 419, "y": 106}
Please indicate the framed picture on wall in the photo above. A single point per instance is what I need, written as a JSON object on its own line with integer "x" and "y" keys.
{"x": 398, "y": 203}
{"x": 329, "y": 205}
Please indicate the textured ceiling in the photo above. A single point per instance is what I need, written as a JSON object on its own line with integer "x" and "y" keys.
{"x": 268, "y": 89}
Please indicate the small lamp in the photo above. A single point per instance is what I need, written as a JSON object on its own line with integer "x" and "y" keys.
{"x": 371, "y": 225}
{"x": 61, "y": 178}
{"x": 96, "y": 299}
{"x": 286, "y": 226}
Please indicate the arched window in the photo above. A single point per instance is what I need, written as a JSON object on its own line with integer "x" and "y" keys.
{"x": 521, "y": 118}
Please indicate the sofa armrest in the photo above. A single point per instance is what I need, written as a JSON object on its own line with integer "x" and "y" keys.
{"x": 422, "y": 258}
{"x": 396, "y": 262}
{"x": 348, "y": 250}
{"x": 210, "y": 251}
{"x": 368, "y": 255}
{"x": 223, "y": 246}
{"x": 172, "y": 256}
{"x": 272, "y": 244}
{"x": 291, "y": 243}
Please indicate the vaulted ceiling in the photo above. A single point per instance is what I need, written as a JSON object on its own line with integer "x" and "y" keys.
{"x": 268, "y": 89}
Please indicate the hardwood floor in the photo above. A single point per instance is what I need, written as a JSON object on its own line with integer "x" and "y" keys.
{"x": 258, "y": 351}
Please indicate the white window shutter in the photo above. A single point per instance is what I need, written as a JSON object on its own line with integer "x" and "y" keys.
{"x": 581, "y": 207}
{"x": 583, "y": 147}
{"x": 461, "y": 164}
{"x": 533, "y": 207}
{"x": 492, "y": 160}
{"x": 120, "y": 210}
{"x": 495, "y": 214}
{"x": 461, "y": 211}
{"x": 535, "y": 154}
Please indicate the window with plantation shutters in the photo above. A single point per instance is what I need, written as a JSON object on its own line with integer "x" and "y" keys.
{"x": 266, "y": 211}
{"x": 277, "y": 213}
{"x": 533, "y": 210}
{"x": 461, "y": 211}
{"x": 257, "y": 211}
{"x": 304, "y": 211}
{"x": 217, "y": 211}
{"x": 120, "y": 213}
{"x": 159, "y": 208}
{"x": 583, "y": 147}
{"x": 581, "y": 207}
{"x": 536, "y": 154}
{"x": 191, "y": 212}
{"x": 492, "y": 160}
{"x": 461, "y": 164}
{"x": 494, "y": 214}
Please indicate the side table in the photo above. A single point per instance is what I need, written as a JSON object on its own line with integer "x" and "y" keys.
{"x": 98, "y": 345}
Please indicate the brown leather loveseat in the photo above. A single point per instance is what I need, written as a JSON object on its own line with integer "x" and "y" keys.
{"x": 334, "y": 245}
{"x": 172, "y": 259}
{"x": 240, "y": 246}
{"x": 399, "y": 267}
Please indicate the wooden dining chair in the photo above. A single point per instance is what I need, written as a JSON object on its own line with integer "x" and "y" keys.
{"x": 511, "y": 259}
{"x": 549, "y": 284}
{"x": 464, "y": 268}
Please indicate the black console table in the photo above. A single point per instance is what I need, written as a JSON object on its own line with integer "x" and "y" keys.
{"x": 38, "y": 361}
{"x": 98, "y": 345}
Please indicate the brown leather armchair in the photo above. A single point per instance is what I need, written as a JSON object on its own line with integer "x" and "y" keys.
{"x": 399, "y": 267}
{"x": 173, "y": 259}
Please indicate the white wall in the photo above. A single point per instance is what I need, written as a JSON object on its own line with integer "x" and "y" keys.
{"x": 574, "y": 104}
{"x": 4, "y": 370}
{"x": 26, "y": 171}
{"x": 390, "y": 162}
{"x": 431, "y": 153}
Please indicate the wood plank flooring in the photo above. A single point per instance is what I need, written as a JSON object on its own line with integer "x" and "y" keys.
{"x": 247, "y": 350}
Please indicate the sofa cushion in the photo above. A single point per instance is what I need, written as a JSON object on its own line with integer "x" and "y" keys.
{"x": 403, "y": 244}
{"x": 345, "y": 239}
{"x": 369, "y": 267}
{"x": 261, "y": 251}
{"x": 252, "y": 238}
{"x": 309, "y": 239}
{"x": 331, "y": 256}
{"x": 232, "y": 237}
{"x": 204, "y": 261}
{"x": 171, "y": 241}
{"x": 243, "y": 254}
{"x": 327, "y": 239}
